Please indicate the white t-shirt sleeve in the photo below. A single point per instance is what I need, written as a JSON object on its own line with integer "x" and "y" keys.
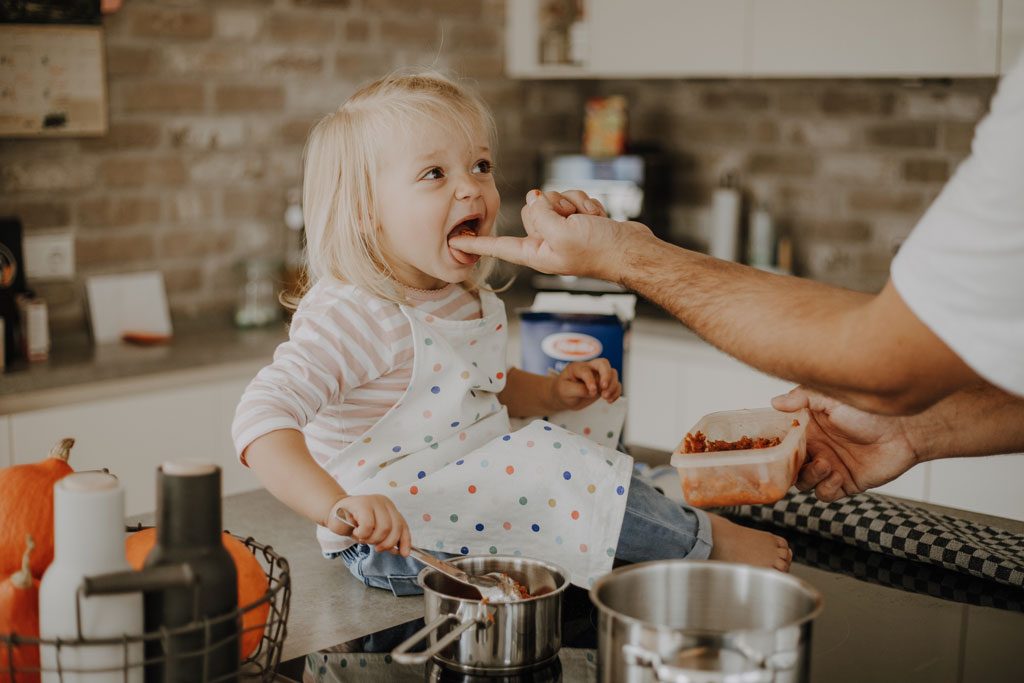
{"x": 961, "y": 271}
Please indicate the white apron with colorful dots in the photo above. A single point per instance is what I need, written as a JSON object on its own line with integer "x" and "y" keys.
{"x": 465, "y": 483}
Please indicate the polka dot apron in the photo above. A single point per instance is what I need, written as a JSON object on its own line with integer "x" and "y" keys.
{"x": 464, "y": 481}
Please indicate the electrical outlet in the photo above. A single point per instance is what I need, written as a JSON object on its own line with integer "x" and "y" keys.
{"x": 49, "y": 257}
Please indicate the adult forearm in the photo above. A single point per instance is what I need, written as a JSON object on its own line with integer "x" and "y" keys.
{"x": 790, "y": 328}
{"x": 284, "y": 465}
{"x": 866, "y": 350}
{"x": 981, "y": 420}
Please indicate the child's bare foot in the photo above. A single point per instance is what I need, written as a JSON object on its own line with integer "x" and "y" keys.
{"x": 735, "y": 543}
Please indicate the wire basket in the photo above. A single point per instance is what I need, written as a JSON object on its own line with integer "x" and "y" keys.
{"x": 260, "y": 665}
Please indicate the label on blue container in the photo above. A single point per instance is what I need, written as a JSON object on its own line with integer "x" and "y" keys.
{"x": 553, "y": 340}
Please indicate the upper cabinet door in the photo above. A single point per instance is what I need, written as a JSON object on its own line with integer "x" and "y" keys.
{"x": 905, "y": 38}
{"x": 525, "y": 46}
{"x": 658, "y": 38}
{"x": 1013, "y": 34}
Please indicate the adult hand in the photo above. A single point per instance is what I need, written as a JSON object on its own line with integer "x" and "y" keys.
{"x": 581, "y": 383}
{"x": 566, "y": 234}
{"x": 377, "y": 522}
{"x": 849, "y": 451}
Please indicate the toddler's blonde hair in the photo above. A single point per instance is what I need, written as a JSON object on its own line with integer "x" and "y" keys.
{"x": 340, "y": 167}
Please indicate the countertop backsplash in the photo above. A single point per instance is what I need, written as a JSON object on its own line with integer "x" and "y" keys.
{"x": 210, "y": 106}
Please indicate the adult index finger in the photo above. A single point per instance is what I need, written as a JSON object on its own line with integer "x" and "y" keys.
{"x": 514, "y": 249}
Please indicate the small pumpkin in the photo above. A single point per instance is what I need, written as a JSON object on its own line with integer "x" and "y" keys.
{"x": 26, "y": 507}
{"x": 252, "y": 581}
{"x": 19, "y": 613}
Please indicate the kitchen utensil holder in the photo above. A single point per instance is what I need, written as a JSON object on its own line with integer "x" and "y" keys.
{"x": 260, "y": 665}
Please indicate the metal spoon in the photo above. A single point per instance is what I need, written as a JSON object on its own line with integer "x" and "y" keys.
{"x": 492, "y": 587}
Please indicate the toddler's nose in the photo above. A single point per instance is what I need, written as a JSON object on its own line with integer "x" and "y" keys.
{"x": 466, "y": 187}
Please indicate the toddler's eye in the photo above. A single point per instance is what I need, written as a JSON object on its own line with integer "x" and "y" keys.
{"x": 433, "y": 174}
{"x": 483, "y": 166}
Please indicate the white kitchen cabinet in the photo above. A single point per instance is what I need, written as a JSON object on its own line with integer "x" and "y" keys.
{"x": 991, "y": 485}
{"x": 673, "y": 38}
{"x": 522, "y": 44}
{"x": 874, "y": 38}
{"x": 5, "y": 442}
{"x": 132, "y": 434}
{"x": 710, "y": 381}
{"x": 672, "y": 382}
{"x": 1012, "y": 44}
{"x": 652, "y": 387}
{"x": 776, "y": 38}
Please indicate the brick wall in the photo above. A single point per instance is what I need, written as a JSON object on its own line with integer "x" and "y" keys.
{"x": 210, "y": 104}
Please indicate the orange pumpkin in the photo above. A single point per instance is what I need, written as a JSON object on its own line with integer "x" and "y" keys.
{"x": 26, "y": 507}
{"x": 19, "y": 613}
{"x": 252, "y": 581}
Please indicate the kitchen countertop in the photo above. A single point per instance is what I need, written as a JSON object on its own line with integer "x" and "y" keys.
{"x": 204, "y": 349}
{"x": 329, "y": 606}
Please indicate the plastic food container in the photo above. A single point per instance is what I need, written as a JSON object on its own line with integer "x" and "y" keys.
{"x": 743, "y": 477}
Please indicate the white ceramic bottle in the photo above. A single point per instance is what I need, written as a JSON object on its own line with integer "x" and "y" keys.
{"x": 88, "y": 535}
{"x": 726, "y": 204}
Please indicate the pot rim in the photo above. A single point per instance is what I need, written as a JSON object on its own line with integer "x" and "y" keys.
{"x": 776, "y": 574}
{"x": 556, "y": 570}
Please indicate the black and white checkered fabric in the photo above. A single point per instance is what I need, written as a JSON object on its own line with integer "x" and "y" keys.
{"x": 890, "y": 527}
{"x": 837, "y": 557}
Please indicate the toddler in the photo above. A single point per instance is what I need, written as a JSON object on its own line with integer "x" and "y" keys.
{"x": 391, "y": 399}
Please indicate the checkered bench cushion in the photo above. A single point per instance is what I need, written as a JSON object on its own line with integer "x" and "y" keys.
{"x": 887, "y": 526}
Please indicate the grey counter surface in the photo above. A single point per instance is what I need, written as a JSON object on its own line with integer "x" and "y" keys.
{"x": 328, "y": 605}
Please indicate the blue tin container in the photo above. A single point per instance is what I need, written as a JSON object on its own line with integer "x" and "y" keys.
{"x": 553, "y": 340}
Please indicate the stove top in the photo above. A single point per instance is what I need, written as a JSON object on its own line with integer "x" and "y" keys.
{"x": 884, "y": 619}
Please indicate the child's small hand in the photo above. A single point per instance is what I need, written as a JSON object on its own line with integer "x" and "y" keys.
{"x": 583, "y": 382}
{"x": 378, "y": 523}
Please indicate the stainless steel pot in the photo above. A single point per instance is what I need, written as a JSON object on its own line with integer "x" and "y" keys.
{"x": 469, "y": 635}
{"x": 689, "y": 621}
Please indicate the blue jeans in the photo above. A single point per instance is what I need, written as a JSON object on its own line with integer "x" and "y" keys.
{"x": 653, "y": 528}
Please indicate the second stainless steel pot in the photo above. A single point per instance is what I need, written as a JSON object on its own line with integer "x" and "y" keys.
{"x": 473, "y": 636}
{"x": 695, "y": 620}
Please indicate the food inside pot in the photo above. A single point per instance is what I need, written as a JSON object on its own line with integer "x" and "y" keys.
{"x": 528, "y": 583}
{"x": 517, "y": 590}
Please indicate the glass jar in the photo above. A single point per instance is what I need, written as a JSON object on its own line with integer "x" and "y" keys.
{"x": 258, "y": 304}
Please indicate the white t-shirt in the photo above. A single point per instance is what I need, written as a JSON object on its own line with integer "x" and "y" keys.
{"x": 961, "y": 271}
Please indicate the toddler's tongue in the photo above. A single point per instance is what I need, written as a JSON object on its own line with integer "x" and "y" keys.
{"x": 461, "y": 256}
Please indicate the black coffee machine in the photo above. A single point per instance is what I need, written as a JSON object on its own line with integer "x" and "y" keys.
{"x": 12, "y": 283}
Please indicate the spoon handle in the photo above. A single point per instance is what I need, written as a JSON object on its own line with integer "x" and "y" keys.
{"x": 441, "y": 566}
{"x": 421, "y": 555}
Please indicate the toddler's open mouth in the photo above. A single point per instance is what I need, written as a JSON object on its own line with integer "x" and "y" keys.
{"x": 469, "y": 227}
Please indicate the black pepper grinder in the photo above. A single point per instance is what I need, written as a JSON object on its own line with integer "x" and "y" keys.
{"x": 188, "y": 533}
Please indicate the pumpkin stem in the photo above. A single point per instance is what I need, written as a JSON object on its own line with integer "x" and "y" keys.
{"x": 62, "y": 449}
{"x": 22, "y": 579}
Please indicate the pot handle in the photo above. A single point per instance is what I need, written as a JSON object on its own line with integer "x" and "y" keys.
{"x": 401, "y": 655}
{"x": 666, "y": 673}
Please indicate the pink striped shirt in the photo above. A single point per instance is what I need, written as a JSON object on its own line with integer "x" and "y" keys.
{"x": 348, "y": 359}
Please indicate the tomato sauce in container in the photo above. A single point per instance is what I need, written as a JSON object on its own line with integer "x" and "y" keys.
{"x": 741, "y": 457}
